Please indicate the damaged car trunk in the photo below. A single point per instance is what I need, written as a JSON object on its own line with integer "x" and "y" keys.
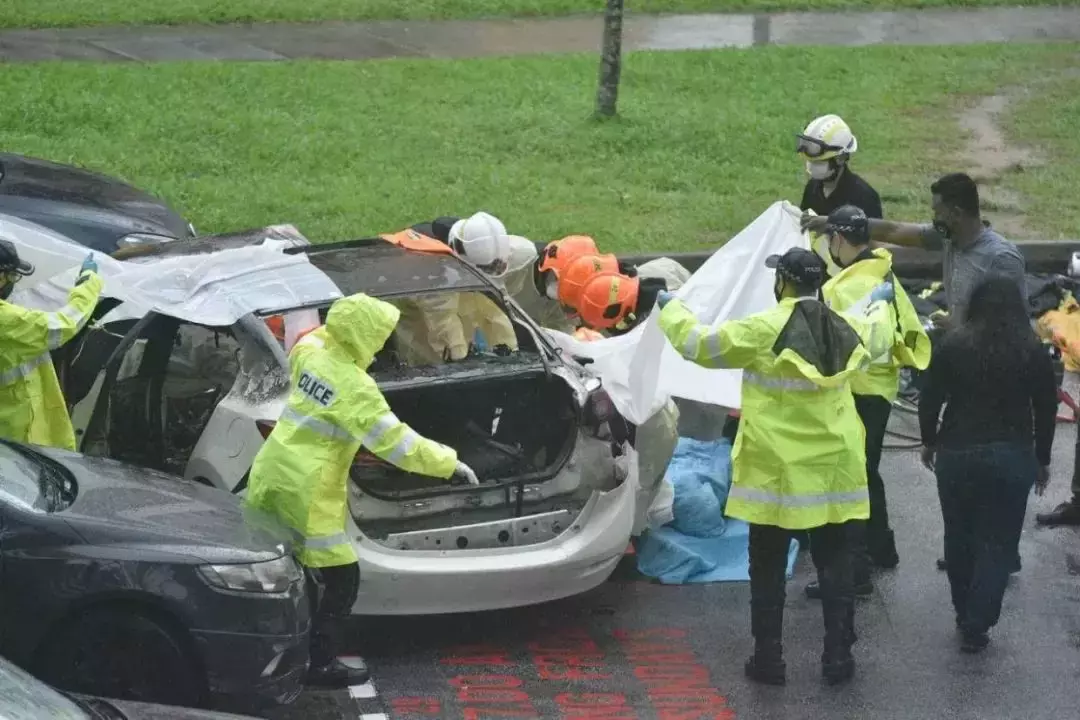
{"x": 518, "y": 426}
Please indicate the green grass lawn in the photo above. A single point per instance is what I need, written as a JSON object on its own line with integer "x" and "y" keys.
{"x": 704, "y": 144}
{"x": 58, "y": 13}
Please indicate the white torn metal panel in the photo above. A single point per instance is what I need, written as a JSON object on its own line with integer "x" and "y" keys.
{"x": 215, "y": 288}
{"x": 641, "y": 371}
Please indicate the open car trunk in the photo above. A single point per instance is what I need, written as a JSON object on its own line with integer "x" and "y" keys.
{"x": 519, "y": 431}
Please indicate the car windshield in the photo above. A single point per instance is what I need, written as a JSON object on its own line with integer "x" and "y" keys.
{"x": 32, "y": 481}
{"x": 24, "y": 697}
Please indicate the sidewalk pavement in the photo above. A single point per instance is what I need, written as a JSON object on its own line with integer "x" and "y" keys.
{"x": 457, "y": 39}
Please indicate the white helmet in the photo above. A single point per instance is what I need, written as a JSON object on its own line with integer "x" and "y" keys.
{"x": 826, "y": 137}
{"x": 482, "y": 240}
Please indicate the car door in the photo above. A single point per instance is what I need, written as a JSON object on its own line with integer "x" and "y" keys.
{"x": 124, "y": 383}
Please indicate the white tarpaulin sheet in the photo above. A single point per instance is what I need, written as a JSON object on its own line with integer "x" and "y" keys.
{"x": 640, "y": 370}
{"x": 215, "y": 288}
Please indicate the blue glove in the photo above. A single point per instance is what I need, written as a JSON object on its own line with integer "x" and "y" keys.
{"x": 88, "y": 265}
{"x": 664, "y": 297}
{"x": 885, "y": 291}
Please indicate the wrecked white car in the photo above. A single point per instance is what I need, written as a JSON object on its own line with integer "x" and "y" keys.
{"x": 561, "y": 493}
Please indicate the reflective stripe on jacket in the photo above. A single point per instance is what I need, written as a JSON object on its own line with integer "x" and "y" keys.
{"x": 799, "y": 459}
{"x": 849, "y": 291}
{"x": 301, "y": 474}
{"x": 32, "y": 406}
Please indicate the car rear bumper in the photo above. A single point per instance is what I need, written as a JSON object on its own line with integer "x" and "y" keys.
{"x": 250, "y": 672}
{"x": 402, "y": 582}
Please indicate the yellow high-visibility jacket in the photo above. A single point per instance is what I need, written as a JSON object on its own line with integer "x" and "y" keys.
{"x": 301, "y": 474}
{"x": 32, "y": 406}
{"x": 799, "y": 459}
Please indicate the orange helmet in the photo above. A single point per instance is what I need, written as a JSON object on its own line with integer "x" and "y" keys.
{"x": 557, "y": 256}
{"x": 608, "y": 301}
{"x": 578, "y": 273}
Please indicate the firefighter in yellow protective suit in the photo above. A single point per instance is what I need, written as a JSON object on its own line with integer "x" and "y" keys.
{"x": 798, "y": 461}
{"x": 861, "y": 269}
{"x": 440, "y": 328}
{"x": 32, "y": 406}
{"x": 301, "y": 474}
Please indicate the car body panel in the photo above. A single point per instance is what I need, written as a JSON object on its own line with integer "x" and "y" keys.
{"x": 94, "y": 209}
{"x": 129, "y": 546}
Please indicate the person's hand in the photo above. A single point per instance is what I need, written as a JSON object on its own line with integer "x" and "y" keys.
{"x": 813, "y": 223}
{"x": 1042, "y": 479}
{"x": 885, "y": 291}
{"x": 928, "y": 456}
{"x": 464, "y": 474}
{"x": 943, "y": 321}
{"x": 663, "y": 298}
{"x": 88, "y": 265}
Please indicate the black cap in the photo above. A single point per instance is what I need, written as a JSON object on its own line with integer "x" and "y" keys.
{"x": 851, "y": 222}
{"x": 10, "y": 261}
{"x": 800, "y": 266}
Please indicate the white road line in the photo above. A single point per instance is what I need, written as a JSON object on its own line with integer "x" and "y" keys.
{"x": 359, "y": 692}
{"x": 374, "y": 716}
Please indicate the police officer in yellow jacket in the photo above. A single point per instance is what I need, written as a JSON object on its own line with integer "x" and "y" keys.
{"x": 301, "y": 474}
{"x": 798, "y": 461}
{"x": 32, "y": 406}
{"x": 863, "y": 268}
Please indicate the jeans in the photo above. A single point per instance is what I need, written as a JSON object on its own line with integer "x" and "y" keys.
{"x": 831, "y": 552}
{"x": 339, "y": 586}
{"x": 984, "y": 491}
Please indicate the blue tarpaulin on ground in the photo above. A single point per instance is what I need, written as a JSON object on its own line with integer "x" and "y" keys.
{"x": 700, "y": 545}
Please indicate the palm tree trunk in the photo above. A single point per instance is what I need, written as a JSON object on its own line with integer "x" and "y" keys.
{"x": 607, "y": 95}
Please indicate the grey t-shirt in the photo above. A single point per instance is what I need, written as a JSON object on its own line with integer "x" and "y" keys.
{"x": 963, "y": 269}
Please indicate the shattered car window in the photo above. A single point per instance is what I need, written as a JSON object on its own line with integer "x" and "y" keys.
{"x": 381, "y": 269}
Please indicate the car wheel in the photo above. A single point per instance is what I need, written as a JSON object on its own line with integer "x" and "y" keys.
{"x": 124, "y": 654}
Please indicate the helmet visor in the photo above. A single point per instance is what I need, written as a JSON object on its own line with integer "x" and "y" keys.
{"x": 813, "y": 148}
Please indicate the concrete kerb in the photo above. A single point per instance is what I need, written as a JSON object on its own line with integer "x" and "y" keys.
{"x": 481, "y": 38}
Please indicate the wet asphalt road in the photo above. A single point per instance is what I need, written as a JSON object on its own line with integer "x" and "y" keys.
{"x": 633, "y": 649}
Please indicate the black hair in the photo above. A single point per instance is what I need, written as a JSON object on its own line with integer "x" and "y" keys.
{"x": 997, "y": 332}
{"x": 958, "y": 190}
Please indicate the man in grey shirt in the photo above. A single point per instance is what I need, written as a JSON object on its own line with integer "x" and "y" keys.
{"x": 971, "y": 249}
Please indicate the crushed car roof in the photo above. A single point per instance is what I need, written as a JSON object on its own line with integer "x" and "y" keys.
{"x": 382, "y": 269}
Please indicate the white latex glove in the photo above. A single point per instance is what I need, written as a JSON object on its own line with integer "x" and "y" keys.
{"x": 463, "y": 471}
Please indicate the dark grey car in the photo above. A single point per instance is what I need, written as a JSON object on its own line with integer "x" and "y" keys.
{"x": 129, "y": 583}
{"x": 24, "y": 696}
{"x": 101, "y": 212}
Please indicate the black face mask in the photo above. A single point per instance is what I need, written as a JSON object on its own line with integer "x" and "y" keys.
{"x": 778, "y": 288}
{"x": 943, "y": 229}
{"x": 6, "y": 290}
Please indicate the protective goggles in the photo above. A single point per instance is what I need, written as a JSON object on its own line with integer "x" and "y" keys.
{"x": 10, "y": 277}
{"x": 495, "y": 267}
{"x": 813, "y": 148}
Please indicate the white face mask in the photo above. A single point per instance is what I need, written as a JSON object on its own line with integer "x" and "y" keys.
{"x": 819, "y": 170}
{"x": 551, "y": 289}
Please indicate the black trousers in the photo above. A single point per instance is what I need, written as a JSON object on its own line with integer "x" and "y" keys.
{"x": 874, "y": 412}
{"x": 830, "y": 549}
{"x": 1076, "y": 472}
{"x": 333, "y": 591}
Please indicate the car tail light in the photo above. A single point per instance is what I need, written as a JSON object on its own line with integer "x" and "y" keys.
{"x": 603, "y": 419}
{"x": 598, "y": 407}
{"x": 265, "y": 427}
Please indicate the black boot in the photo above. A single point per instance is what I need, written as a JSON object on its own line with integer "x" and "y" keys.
{"x": 837, "y": 667}
{"x": 337, "y": 674}
{"x": 1067, "y": 513}
{"x": 766, "y": 665}
{"x": 883, "y": 550}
